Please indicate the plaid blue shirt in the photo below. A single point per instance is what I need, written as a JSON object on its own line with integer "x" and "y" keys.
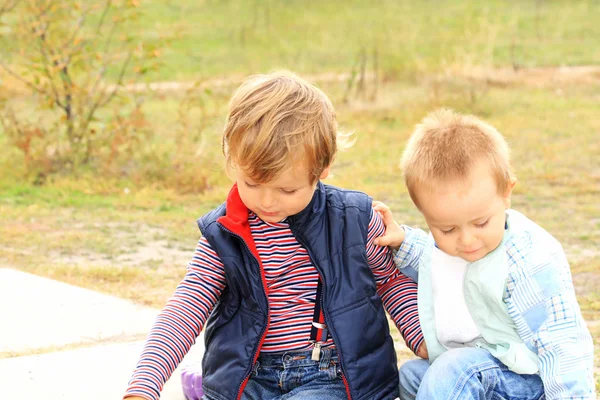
{"x": 541, "y": 301}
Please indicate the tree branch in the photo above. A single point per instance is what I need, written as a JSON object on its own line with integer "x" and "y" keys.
{"x": 42, "y": 44}
{"x": 102, "y": 70}
{"x": 101, "y": 103}
{"x": 29, "y": 84}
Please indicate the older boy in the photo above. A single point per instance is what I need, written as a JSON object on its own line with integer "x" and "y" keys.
{"x": 496, "y": 300}
{"x": 286, "y": 278}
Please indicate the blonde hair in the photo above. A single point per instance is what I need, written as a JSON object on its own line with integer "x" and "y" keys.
{"x": 276, "y": 120}
{"x": 446, "y": 145}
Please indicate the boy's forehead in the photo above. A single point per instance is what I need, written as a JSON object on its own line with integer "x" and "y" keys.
{"x": 295, "y": 174}
{"x": 479, "y": 175}
{"x": 453, "y": 200}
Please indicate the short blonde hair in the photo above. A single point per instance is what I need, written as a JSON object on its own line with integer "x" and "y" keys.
{"x": 276, "y": 120}
{"x": 446, "y": 145}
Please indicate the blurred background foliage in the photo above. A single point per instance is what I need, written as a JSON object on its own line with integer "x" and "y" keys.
{"x": 134, "y": 90}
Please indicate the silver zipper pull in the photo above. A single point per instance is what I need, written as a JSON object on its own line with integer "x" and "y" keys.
{"x": 316, "y": 352}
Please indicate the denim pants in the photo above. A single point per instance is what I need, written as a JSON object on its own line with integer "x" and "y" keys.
{"x": 466, "y": 373}
{"x": 295, "y": 376}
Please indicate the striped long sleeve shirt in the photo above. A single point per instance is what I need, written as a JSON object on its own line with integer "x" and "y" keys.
{"x": 292, "y": 281}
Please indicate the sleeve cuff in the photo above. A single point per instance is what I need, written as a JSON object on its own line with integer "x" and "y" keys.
{"x": 401, "y": 256}
{"x": 416, "y": 343}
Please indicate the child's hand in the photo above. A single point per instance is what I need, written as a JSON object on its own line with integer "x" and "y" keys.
{"x": 422, "y": 351}
{"x": 394, "y": 234}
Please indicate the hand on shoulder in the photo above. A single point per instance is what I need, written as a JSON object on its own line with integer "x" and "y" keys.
{"x": 394, "y": 234}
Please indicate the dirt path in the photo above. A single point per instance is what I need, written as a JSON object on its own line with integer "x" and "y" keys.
{"x": 536, "y": 77}
{"x": 541, "y": 76}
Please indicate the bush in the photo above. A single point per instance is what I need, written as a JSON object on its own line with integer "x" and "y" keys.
{"x": 74, "y": 59}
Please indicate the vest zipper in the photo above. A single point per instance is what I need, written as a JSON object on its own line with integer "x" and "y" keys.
{"x": 242, "y": 384}
{"x": 325, "y": 311}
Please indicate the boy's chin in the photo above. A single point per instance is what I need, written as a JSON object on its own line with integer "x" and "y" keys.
{"x": 272, "y": 218}
{"x": 473, "y": 256}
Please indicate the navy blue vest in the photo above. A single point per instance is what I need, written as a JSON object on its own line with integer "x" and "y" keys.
{"x": 333, "y": 228}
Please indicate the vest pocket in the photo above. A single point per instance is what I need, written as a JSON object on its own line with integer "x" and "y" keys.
{"x": 235, "y": 325}
{"x": 366, "y": 348}
{"x": 349, "y": 307}
{"x": 361, "y": 328}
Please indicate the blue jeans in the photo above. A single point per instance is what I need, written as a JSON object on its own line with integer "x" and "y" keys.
{"x": 294, "y": 376}
{"x": 467, "y": 373}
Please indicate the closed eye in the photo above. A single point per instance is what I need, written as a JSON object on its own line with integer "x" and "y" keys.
{"x": 447, "y": 231}
{"x": 483, "y": 224}
{"x": 288, "y": 192}
{"x": 250, "y": 185}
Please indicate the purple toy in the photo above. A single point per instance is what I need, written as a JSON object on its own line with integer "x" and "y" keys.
{"x": 191, "y": 382}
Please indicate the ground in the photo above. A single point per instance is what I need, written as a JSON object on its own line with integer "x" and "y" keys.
{"x": 134, "y": 242}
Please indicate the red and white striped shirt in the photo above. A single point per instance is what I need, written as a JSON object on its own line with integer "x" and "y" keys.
{"x": 292, "y": 282}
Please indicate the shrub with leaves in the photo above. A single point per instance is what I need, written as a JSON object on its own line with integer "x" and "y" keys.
{"x": 74, "y": 58}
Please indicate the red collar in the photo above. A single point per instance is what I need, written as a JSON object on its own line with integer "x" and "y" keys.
{"x": 236, "y": 212}
{"x": 235, "y": 219}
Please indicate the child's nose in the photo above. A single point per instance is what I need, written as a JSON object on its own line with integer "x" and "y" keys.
{"x": 467, "y": 238}
{"x": 267, "y": 200}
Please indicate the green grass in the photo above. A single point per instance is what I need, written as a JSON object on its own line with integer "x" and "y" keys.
{"x": 200, "y": 39}
{"x": 217, "y": 38}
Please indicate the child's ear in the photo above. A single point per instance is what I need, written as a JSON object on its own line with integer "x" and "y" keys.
{"x": 325, "y": 173}
{"x": 508, "y": 192}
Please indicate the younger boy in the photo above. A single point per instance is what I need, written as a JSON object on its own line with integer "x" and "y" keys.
{"x": 286, "y": 279}
{"x": 496, "y": 300}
